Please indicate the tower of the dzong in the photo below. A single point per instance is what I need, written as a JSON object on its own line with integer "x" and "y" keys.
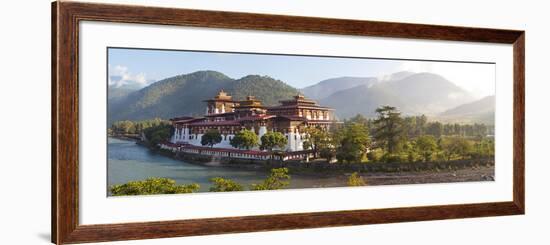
{"x": 221, "y": 103}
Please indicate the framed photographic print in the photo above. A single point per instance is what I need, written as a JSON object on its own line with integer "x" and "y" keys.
{"x": 175, "y": 122}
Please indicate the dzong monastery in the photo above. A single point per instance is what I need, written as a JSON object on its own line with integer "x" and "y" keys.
{"x": 291, "y": 117}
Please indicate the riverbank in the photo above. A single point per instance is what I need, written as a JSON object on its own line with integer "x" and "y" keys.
{"x": 340, "y": 178}
{"x": 373, "y": 173}
{"x": 478, "y": 169}
{"x": 130, "y": 137}
{"x": 481, "y": 173}
{"x": 133, "y": 160}
{"x": 322, "y": 165}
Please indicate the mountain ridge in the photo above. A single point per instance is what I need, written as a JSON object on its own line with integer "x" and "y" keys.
{"x": 327, "y": 87}
{"x": 184, "y": 94}
{"x": 480, "y": 111}
{"x": 409, "y": 95}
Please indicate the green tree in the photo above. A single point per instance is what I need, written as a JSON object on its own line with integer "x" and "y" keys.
{"x": 483, "y": 148}
{"x": 359, "y": 118}
{"x": 307, "y": 145}
{"x": 356, "y": 180}
{"x": 327, "y": 153}
{"x": 435, "y": 129}
{"x": 409, "y": 126}
{"x": 211, "y": 137}
{"x": 158, "y": 134}
{"x": 375, "y": 155}
{"x": 245, "y": 139}
{"x": 410, "y": 150}
{"x": 317, "y": 139}
{"x": 124, "y": 127}
{"x": 455, "y": 147}
{"x": 152, "y": 186}
{"x": 271, "y": 140}
{"x": 388, "y": 128}
{"x": 275, "y": 180}
{"x": 353, "y": 143}
{"x": 421, "y": 122}
{"x": 136, "y": 127}
{"x": 224, "y": 185}
{"x": 426, "y": 146}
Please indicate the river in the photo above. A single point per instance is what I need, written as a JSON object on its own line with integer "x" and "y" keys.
{"x": 128, "y": 161}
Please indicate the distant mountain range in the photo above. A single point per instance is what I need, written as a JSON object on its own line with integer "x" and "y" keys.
{"x": 117, "y": 91}
{"x": 417, "y": 93}
{"x": 480, "y": 111}
{"x": 327, "y": 87}
{"x": 411, "y": 93}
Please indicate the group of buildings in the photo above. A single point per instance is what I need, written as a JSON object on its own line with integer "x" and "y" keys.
{"x": 291, "y": 117}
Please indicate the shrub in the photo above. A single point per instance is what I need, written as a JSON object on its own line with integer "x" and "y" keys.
{"x": 152, "y": 186}
{"x": 356, "y": 180}
{"x": 375, "y": 155}
{"x": 274, "y": 181}
{"x": 394, "y": 158}
{"x": 224, "y": 185}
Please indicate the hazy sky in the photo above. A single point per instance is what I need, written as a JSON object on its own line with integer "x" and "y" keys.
{"x": 141, "y": 67}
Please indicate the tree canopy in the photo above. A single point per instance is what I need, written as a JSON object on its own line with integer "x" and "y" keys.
{"x": 426, "y": 146}
{"x": 152, "y": 186}
{"x": 275, "y": 180}
{"x": 245, "y": 139}
{"x": 135, "y": 127}
{"x": 317, "y": 139}
{"x": 388, "y": 128}
{"x": 271, "y": 140}
{"x": 158, "y": 134}
{"x": 211, "y": 137}
{"x": 455, "y": 147}
{"x": 404, "y": 139}
{"x": 352, "y": 143}
{"x": 224, "y": 185}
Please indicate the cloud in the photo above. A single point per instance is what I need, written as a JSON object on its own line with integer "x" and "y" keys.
{"x": 121, "y": 76}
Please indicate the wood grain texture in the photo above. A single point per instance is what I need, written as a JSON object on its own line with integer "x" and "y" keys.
{"x": 149, "y": 230}
{"x": 54, "y": 122}
{"x": 234, "y": 20}
{"x": 65, "y": 121}
{"x": 65, "y": 124}
{"x": 519, "y": 122}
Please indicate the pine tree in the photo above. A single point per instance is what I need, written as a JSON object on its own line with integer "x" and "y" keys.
{"x": 388, "y": 128}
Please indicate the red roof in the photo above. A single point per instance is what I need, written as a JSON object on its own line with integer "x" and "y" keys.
{"x": 299, "y": 107}
{"x": 293, "y": 118}
{"x": 220, "y": 114}
{"x": 256, "y": 117}
{"x": 322, "y": 121}
{"x": 181, "y": 118}
{"x": 193, "y": 119}
{"x": 216, "y": 123}
{"x": 221, "y": 100}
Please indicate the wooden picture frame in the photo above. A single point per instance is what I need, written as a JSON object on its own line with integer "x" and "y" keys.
{"x": 65, "y": 121}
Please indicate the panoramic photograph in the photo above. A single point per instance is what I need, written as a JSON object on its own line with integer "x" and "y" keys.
{"x": 202, "y": 121}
